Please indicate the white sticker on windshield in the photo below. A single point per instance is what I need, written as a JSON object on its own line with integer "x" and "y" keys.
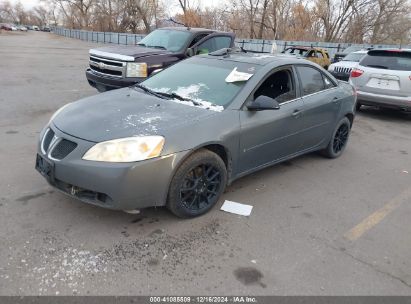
{"x": 236, "y": 76}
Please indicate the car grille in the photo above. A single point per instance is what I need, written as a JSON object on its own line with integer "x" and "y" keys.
{"x": 48, "y": 137}
{"x": 107, "y": 67}
{"x": 342, "y": 70}
{"x": 55, "y": 147}
{"x": 63, "y": 148}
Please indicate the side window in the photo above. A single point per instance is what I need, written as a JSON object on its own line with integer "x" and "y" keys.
{"x": 197, "y": 39}
{"x": 206, "y": 47}
{"x": 280, "y": 86}
{"x": 222, "y": 42}
{"x": 311, "y": 80}
{"x": 320, "y": 55}
{"x": 328, "y": 84}
{"x": 214, "y": 44}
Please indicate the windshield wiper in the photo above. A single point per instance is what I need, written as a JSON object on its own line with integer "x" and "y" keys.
{"x": 142, "y": 44}
{"x": 179, "y": 97}
{"x": 150, "y": 91}
{"x": 157, "y": 47}
{"x": 377, "y": 66}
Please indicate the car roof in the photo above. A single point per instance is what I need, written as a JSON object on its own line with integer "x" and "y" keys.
{"x": 360, "y": 52}
{"x": 306, "y": 48}
{"x": 187, "y": 29}
{"x": 390, "y": 50}
{"x": 257, "y": 58}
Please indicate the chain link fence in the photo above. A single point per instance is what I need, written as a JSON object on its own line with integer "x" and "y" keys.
{"x": 248, "y": 44}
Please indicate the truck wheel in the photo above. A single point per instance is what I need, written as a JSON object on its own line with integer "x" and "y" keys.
{"x": 197, "y": 184}
{"x": 338, "y": 140}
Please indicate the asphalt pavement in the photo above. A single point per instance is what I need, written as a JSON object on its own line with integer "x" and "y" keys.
{"x": 318, "y": 226}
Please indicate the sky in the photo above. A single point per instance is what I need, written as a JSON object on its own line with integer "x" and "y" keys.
{"x": 28, "y": 4}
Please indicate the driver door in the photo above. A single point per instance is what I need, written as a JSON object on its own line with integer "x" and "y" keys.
{"x": 271, "y": 135}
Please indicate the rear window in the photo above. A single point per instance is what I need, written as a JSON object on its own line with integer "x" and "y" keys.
{"x": 388, "y": 60}
{"x": 355, "y": 57}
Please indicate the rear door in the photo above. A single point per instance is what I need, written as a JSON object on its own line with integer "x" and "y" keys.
{"x": 322, "y": 101}
{"x": 386, "y": 72}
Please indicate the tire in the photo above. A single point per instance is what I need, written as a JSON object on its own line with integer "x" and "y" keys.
{"x": 339, "y": 139}
{"x": 193, "y": 193}
{"x": 358, "y": 106}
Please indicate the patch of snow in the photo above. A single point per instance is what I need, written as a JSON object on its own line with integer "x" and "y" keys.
{"x": 192, "y": 92}
{"x": 68, "y": 268}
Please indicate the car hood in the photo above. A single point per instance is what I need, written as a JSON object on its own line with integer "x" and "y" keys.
{"x": 125, "y": 113}
{"x": 130, "y": 50}
{"x": 345, "y": 64}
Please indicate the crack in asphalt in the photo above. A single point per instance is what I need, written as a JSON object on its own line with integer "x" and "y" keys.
{"x": 374, "y": 267}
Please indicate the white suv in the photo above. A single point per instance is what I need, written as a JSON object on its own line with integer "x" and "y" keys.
{"x": 342, "y": 69}
{"x": 383, "y": 78}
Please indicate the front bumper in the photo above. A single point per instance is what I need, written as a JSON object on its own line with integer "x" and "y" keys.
{"x": 388, "y": 101}
{"x": 122, "y": 186}
{"x": 110, "y": 83}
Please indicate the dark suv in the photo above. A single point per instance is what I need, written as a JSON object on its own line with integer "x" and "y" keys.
{"x": 121, "y": 66}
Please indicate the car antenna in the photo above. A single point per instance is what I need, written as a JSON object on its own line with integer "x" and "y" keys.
{"x": 179, "y": 23}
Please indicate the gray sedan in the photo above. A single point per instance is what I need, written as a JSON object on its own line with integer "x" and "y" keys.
{"x": 180, "y": 137}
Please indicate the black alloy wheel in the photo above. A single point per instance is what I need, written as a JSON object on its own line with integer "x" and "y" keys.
{"x": 341, "y": 138}
{"x": 197, "y": 184}
{"x": 200, "y": 187}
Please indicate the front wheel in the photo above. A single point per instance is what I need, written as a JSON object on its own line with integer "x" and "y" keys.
{"x": 197, "y": 184}
{"x": 339, "y": 139}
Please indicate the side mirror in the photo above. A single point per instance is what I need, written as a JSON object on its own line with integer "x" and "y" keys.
{"x": 262, "y": 103}
{"x": 190, "y": 52}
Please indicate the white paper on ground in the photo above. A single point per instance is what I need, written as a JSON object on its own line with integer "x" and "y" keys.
{"x": 236, "y": 76}
{"x": 236, "y": 208}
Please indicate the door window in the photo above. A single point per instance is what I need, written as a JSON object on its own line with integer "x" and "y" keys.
{"x": 214, "y": 44}
{"x": 328, "y": 84}
{"x": 280, "y": 86}
{"x": 197, "y": 39}
{"x": 312, "y": 80}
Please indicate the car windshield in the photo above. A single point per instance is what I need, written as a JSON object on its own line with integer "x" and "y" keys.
{"x": 388, "y": 60}
{"x": 354, "y": 57}
{"x": 295, "y": 51}
{"x": 201, "y": 80}
{"x": 171, "y": 40}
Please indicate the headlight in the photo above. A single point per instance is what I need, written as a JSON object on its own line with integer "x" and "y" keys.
{"x": 136, "y": 69}
{"x": 124, "y": 150}
{"x": 331, "y": 68}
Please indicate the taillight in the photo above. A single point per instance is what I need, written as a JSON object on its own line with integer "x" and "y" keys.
{"x": 356, "y": 73}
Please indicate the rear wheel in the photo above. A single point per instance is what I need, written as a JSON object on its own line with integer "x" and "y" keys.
{"x": 339, "y": 139}
{"x": 197, "y": 184}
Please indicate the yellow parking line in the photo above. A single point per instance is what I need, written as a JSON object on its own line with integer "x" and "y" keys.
{"x": 375, "y": 218}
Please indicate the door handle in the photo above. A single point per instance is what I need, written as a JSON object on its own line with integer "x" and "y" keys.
{"x": 335, "y": 99}
{"x": 296, "y": 113}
